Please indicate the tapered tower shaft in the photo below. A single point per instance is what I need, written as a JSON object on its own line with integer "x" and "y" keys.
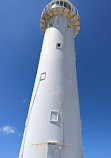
{"x": 53, "y": 126}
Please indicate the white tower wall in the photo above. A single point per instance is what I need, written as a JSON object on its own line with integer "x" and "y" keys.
{"x": 53, "y": 126}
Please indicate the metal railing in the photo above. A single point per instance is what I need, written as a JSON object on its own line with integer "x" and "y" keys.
{"x": 49, "y": 6}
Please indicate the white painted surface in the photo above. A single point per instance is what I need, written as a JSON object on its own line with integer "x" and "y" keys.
{"x": 53, "y": 126}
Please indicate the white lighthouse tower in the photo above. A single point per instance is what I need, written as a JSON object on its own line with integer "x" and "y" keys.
{"x": 53, "y": 125}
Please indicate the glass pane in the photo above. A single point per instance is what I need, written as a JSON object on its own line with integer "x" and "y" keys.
{"x": 61, "y": 3}
{"x": 56, "y": 4}
{"x": 66, "y": 5}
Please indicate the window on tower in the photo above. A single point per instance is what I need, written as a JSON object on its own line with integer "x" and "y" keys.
{"x": 66, "y": 5}
{"x": 56, "y": 4}
{"x": 43, "y": 76}
{"x": 54, "y": 116}
{"x": 61, "y": 3}
{"x": 59, "y": 45}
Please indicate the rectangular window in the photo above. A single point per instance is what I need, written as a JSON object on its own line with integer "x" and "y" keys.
{"x": 59, "y": 45}
{"x": 65, "y": 4}
{"x": 57, "y": 3}
{"x": 68, "y": 6}
{"x": 43, "y": 76}
{"x": 54, "y": 116}
{"x": 61, "y": 3}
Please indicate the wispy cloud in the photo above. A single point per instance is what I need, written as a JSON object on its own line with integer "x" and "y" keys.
{"x": 7, "y": 130}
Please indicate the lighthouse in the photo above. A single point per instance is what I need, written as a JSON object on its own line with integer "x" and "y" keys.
{"x": 53, "y": 124}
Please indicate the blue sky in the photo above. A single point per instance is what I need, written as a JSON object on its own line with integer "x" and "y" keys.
{"x": 20, "y": 46}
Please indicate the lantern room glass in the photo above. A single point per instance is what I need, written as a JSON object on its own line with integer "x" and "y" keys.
{"x": 61, "y": 4}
